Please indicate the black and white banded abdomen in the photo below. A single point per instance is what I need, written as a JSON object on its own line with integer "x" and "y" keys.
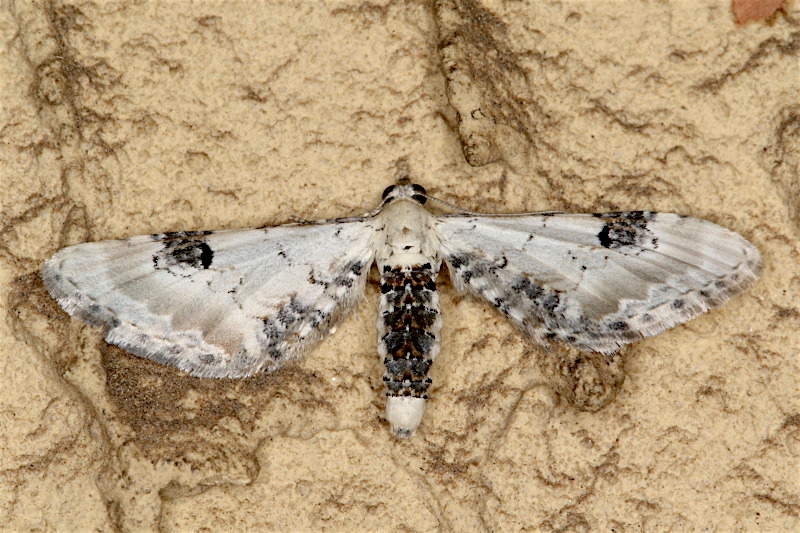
{"x": 409, "y": 323}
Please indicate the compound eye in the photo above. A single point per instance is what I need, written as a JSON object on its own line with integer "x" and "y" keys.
{"x": 419, "y": 189}
{"x": 387, "y": 191}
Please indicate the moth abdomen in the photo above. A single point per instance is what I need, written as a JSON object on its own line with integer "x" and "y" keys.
{"x": 409, "y": 323}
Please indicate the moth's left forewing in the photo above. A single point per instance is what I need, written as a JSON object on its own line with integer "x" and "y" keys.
{"x": 596, "y": 281}
{"x": 217, "y": 304}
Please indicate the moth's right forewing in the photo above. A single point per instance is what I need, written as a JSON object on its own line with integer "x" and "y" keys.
{"x": 597, "y": 281}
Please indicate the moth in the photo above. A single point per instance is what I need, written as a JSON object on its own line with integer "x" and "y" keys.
{"x": 231, "y": 303}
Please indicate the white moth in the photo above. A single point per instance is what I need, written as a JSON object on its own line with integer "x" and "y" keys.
{"x": 233, "y": 303}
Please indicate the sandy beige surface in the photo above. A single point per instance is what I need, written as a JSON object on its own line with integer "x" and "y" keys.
{"x": 129, "y": 118}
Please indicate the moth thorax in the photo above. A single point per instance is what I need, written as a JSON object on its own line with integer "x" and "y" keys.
{"x": 407, "y": 236}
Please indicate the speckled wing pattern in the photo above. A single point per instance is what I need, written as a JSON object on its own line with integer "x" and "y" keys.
{"x": 217, "y": 304}
{"x": 598, "y": 281}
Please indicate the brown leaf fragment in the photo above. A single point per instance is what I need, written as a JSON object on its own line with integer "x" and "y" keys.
{"x": 747, "y": 10}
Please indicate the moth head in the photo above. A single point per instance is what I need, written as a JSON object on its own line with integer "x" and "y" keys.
{"x": 405, "y": 189}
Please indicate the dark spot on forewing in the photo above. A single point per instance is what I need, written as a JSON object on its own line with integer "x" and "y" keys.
{"x": 626, "y": 229}
{"x": 627, "y": 215}
{"x": 192, "y": 253}
{"x": 173, "y": 235}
